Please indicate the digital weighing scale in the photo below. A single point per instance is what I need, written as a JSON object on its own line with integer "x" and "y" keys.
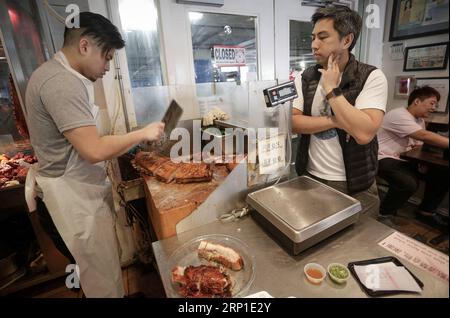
{"x": 301, "y": 212}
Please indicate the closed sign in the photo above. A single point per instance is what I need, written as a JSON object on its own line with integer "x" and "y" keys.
{"x": 229, "y": 56}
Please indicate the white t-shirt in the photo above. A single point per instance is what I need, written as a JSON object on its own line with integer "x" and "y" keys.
{"x": 326, "y": 160}
{"x": 393, "y": 136}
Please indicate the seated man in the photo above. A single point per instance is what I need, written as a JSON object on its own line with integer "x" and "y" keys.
{"x": 401, "y": 130}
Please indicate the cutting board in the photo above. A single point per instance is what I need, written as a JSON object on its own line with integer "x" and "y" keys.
{"x": 168, "y": 204}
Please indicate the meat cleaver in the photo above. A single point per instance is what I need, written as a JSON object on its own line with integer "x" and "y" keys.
{"x": 171, "y": 117}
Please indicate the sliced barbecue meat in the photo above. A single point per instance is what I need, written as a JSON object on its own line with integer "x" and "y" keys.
{"x": 223, "y": 255}
{"x": 202, "y": 281}
{"x": 166, "y": 172}
{"x": 21, "y": 174}
{"x": 19, "y": 155}
{"x": 6, "y": 170}
{"x": 193, "y": 172}
{"x": 30, "y": 159}
{"x": 150, "y": 162}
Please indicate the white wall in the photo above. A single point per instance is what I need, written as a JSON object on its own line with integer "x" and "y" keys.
{"x": 392, "y": 68}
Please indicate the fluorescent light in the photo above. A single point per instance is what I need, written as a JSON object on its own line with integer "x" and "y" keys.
{"x": 195, "y": 16}
{"x": 138, "y": 15}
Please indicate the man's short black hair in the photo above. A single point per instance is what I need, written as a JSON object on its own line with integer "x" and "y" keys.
{"x": 423, "y": 93}
{"x": 99, "y": 28}
{"x": 345, "y": 21}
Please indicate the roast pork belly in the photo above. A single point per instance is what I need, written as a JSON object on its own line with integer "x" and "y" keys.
{"x": 150, "y": 162}
{"x": 166, "y": 172}
{"x": 223, "y": 255}
{"x": 193, "y": 172}
{"x": 202, "y": 281}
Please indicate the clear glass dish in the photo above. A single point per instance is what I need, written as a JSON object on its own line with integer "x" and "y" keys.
{"x": 186, "y": 255}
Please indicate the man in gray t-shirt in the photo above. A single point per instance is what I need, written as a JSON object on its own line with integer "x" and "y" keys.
{"x": 75, "y": 203}
{"x": 57, "y": 101}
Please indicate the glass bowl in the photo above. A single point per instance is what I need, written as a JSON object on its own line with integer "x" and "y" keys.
{"x": 187, "y": 255}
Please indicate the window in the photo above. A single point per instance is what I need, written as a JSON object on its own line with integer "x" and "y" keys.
{"x": 224, "y": 47}
{"x": 139, "y": 21}
{"x": 301, "y": 56}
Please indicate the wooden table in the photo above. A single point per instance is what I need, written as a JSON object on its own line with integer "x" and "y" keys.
{"x": 432, "y": 158}
{"x": 429, "y": 157}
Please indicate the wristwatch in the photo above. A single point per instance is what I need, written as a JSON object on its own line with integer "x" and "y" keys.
{"x": 334, "y": 93}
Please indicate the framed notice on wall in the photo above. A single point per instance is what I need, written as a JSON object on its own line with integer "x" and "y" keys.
{"x": 404, "y": 85}
{"x": 441, "y": 85}
{"x": 426, "y": 57}
{"x": 418, "y": 18}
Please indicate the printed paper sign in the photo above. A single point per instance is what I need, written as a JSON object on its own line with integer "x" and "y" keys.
{"x": 229, "y": 55}
{"x": 418, "y": 254}
{"x": 272, "y": 154}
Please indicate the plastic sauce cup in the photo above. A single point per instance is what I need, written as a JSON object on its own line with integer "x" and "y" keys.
{"x": 315, "y": 273}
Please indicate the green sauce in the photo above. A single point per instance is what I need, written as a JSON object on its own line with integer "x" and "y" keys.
{"x": 339, "y": 272}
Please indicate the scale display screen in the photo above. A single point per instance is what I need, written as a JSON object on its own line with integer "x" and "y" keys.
{"x": 285, "y": 92}
{"x": 280, "y": 94}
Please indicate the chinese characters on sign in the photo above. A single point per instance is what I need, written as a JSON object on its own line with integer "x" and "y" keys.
{"x": 417, "y": 254}
{"x": 272, "y": 154}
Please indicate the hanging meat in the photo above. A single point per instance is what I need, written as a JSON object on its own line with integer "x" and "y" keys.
{"x": 19, "y": 116}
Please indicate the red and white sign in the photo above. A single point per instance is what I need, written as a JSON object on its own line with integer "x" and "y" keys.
{"x": 229, "y": 55}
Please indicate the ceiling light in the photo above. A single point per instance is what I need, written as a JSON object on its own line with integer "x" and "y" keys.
{"x": 195, "y": 16}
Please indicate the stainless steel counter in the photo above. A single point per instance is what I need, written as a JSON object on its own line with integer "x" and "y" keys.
{"x": 281, "y": 275}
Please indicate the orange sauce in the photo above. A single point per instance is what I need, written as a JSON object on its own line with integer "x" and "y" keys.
{"x": 314, "y": 273}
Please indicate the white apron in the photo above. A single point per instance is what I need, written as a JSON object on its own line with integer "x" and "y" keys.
{"x": 80, "y": 204}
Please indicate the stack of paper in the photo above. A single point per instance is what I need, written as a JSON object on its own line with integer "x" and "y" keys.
{"x": 262, "y": 294}
{"x": 387, "y": 277}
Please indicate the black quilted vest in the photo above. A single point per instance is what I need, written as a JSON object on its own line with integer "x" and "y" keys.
{"x": 361, "y": 161}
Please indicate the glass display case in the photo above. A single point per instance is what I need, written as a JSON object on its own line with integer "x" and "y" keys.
{"x": 23, "y": 50}
{"x": 13, "y": 130}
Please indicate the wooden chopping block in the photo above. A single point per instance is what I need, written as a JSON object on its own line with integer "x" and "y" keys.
{"x": 168, "y": 204}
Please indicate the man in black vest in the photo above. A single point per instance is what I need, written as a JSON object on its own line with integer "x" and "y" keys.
{"x": 340, "y": 107}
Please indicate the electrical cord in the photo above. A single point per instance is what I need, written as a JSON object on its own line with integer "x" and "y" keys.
{"x": 133, "y": 216}
{"x": 234, "y": 215}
